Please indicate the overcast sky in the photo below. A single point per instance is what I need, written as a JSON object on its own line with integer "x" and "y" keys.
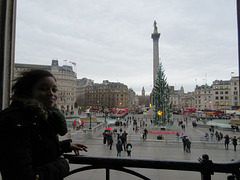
{"x": 111, "y": 40}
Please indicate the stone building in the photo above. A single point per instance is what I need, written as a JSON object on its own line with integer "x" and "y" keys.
{"x": 132, "y": 99}
{"x": 203, "y": 97}
{"x": 81, "y": 86}
{"x": 66, "y": 82}
{"x": 234, "y": 98}
{"x": 175, "y": 100}
{"x": 108, "y": 94}
{"x": 221, "y": 91}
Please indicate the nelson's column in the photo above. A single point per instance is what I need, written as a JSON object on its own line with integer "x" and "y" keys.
{"x": 155, "y": 37}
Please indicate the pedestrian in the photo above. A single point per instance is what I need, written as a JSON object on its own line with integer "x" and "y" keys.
{"x": 125, "y": 134}
{"x": 237, "y": 128}
{"x": 145, "y": 132}
{"x": 104, "y": 137}
{"x": 82, "y": 125}
{"x": 74, "y": 124}
{"x": 129, "y": 148}
{"x": 123, "y": 141}
{"x": 188, "y": 146}
{"x": 110, "y": 140}
{"x": 78, "y": 125}
{"x": 119, "y": 148}
{"x": 184, "y": 143}
{"x": 234, "y": 142}
{"x": 32, "y": 150}
{"x": 177, "y": 134}
{"x": 221, "y": 135}
{"x": 120, "y": 131}
{"x": 226, "y": 141}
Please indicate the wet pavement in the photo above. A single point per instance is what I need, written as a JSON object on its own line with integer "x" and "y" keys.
{"x": 151, "y": 148}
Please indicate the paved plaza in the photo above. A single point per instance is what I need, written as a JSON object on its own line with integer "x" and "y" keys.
{"x": 155, "y": 149}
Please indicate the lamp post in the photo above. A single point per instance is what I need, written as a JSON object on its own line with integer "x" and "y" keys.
{"x": 90, "y": 127}
{"x": 88, "y": 113}
{"x": 105, "y": 116}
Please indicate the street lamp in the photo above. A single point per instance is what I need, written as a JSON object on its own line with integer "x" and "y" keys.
{"x": 90, "y": 127}
{"x": 105, "y": 115}
{"x": 89, "y": 114}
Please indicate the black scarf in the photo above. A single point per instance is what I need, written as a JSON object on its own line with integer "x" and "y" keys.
{"x": 53, "y": 116}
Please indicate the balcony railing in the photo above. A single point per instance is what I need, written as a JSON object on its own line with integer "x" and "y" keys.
{"x": 204, "y": 166}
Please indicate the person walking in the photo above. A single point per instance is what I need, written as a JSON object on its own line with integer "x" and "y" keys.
{"x": 145, "y": 132}
{"x": 129, "y": 148}
{"x": 119, "y": 148}
{"x": 123, "y": 141}
{"x": 184, "y": 139}
{"x": 104, "y": 137}
{"x": 32, "y": 149}
{"x": 74, "y": 124}
{"x": 110, "y": 139}
{"x": 124, "y": 134}
{"x": 226, "y": 141}
{"x": 234, "y": 142}
{"x": 82, "y": 125}
{"x": 188, "y": 146}
{"x": 177, "y": 134}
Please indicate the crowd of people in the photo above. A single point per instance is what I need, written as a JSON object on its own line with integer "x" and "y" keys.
{"x": 78, "y": 124}
{"x": 121, "y": 141}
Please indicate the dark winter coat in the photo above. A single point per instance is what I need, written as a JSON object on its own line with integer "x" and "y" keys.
{"x": 123, "y": 139}
{"x": 234, "y": 141}
{"x": 188, "y": 144}
{"x": 30, "y": 148}
{"x": 119, "y": 146}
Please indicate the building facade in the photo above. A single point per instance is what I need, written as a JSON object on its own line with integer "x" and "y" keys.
{"x": 81, "y": 86}
{"x": 106, "y": 95}
{"x": 234, "y": 99}
{"x": 221, "y": 91}
{"x": 203, "y": 97}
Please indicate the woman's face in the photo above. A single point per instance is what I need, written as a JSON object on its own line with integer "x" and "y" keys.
{"x": 45, "y": 90}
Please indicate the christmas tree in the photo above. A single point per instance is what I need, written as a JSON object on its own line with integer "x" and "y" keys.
{"x": 162, "y": 107}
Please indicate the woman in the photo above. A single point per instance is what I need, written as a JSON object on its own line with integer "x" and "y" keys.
{"x": 119, "y": 148}
{"x": 29, "y": 131}
{"x": 129, "y": 148}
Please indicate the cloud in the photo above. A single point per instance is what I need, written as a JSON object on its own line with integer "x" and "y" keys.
{"x": 112, "y": 40}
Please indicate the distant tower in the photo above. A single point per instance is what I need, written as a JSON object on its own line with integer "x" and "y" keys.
{"x": 155, "y": 37}
{"x": 143, "y": 91}
{"x": 182, "y": 91}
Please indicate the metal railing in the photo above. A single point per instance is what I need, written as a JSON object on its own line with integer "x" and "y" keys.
{"x": 204, "y": 166}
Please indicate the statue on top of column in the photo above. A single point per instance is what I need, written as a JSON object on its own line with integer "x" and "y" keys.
{"x": 155, "y": 27}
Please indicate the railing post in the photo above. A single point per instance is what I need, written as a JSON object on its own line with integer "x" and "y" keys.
{"x": 206, "y": 171}
{"x": 107, "y": 174}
